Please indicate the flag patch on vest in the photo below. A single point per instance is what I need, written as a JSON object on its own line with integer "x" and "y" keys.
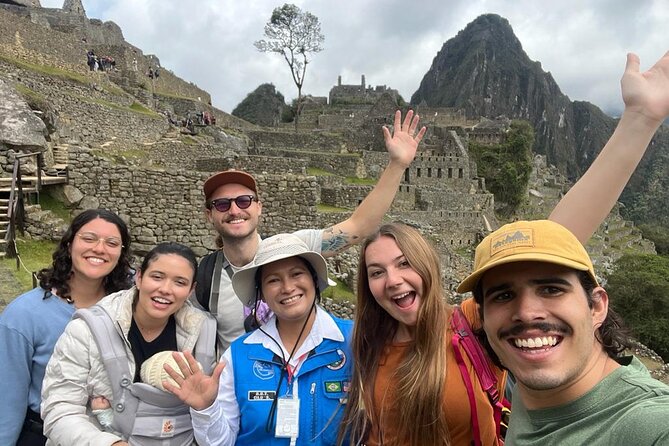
{"x": 333, "y": 386}
{"x": 261, "y": 395}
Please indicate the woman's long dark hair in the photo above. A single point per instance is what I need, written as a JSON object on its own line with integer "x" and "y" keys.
{"x": 57, "y": 276}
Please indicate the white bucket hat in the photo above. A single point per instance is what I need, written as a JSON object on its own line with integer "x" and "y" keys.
{"x": 272, "y": 249}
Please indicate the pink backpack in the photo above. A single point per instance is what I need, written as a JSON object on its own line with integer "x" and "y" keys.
{"x": 464, "y": 338}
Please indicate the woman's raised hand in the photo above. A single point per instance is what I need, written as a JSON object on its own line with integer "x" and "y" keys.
{"x": 193, "y": 387}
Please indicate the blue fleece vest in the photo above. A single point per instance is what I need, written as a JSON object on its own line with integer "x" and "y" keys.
{"x": 323, "y": 381}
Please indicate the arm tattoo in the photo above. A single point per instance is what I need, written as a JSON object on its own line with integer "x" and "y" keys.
{"x": 333, "y": 243}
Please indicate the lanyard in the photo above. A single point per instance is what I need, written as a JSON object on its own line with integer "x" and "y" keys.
{"x": 291, "y": 370}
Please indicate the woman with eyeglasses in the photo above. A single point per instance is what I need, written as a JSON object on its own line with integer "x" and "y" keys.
{"x": 286, "y": 382}
{"x": 148, "y": 319}
{"x": 92, "y": 260}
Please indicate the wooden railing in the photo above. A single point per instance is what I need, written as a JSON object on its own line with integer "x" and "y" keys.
{"x": 16, "y": 204}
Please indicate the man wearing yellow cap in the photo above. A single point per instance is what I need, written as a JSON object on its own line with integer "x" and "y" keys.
{"x": 548, "y": 321}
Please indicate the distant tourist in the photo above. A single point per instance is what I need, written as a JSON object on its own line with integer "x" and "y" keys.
{"x": 134, "y": 64}
{"x": 91, "y": 260}
{"x": 90, "y": 60}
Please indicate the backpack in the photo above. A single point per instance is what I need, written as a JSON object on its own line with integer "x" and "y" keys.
{"x": 209, "y": 278}
{"x": 144, "y": 414}
{"x": 207, "y": 287}
{"x": 464, "y": 338}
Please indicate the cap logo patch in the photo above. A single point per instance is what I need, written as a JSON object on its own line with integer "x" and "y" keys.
{"x": 512, "y": 239}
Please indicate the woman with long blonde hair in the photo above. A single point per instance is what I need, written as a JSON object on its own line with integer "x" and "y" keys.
{"x": 401, "y": 367}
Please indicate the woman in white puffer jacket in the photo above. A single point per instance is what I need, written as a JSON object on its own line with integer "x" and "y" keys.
{"x": 151, "y": 317}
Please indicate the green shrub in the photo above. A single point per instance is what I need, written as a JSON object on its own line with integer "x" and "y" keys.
{"x": 639, "y": 291}
{"x": 658, "y": 235}
{"x": 507, "y": 166}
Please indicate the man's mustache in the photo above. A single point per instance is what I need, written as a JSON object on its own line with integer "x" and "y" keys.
{"x": 545, "y": 327}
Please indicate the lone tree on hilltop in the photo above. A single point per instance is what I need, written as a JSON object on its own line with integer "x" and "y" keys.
{"x": 294, "y": 34}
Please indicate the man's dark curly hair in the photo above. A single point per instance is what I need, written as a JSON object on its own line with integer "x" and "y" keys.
{"x": 58, "y": 274}
{"x": 612, "y": 334}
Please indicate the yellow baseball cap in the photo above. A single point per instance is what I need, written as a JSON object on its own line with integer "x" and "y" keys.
{"x": 528, "y": 241}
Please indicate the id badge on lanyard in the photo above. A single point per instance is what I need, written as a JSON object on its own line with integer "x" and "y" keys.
{"x": 287, "y": 417}
{"x": 288, "y": 407}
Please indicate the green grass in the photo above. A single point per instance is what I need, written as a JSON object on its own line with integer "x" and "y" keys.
{"x": 139, "y": 108}
{"x": 29, "y": 93}
{"x": 175, "y": 96}
{"x": 315, "y": 171}
{"x": 360, "y": 181}
{"x": 339, "y": 293}
{"x": 48, "y": 203}
{"x": 113, "y": 89}
{"x": 134, "y": 108}
{"x": 136, "y": 154}
{"x": 48, "y": 70}
{"x": 35, "y": 255}
{"x": 189, "y": 140}
{"x": 327, "y": 208}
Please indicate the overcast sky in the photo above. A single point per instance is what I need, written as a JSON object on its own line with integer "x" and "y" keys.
{"x": 210, "y": 42}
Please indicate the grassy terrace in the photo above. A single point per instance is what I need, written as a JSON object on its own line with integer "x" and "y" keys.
{"x": 135, "y": 107}
{"x": 47, "y": 70}
{"x": 339, "y": 293}
{"x": 326, "y": 208}
{"x": 34, "y": 255}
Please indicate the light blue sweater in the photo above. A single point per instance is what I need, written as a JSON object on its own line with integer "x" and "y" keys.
{"x": 29, "y": 328}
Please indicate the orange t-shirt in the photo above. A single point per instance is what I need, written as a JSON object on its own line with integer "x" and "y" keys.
{"x": 455, "y": 399}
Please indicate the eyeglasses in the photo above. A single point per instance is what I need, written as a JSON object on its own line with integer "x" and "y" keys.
{"x": 91, "y": 238}
{"x": 224, "y": 204}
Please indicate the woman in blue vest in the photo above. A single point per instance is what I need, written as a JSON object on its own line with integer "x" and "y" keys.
{"x": 285, "y": 383}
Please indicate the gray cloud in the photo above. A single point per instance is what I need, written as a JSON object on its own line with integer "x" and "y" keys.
{"x": 392, "y": 42}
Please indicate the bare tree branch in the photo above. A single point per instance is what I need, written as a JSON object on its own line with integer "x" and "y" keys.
{"x": 294, "y": 34}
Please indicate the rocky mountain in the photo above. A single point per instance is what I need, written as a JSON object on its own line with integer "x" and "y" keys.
{"x": 263, "y": 106}
{"x": 485, "y": 71}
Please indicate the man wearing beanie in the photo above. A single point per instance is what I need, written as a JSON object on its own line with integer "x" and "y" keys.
{"x": 548, "y": 321}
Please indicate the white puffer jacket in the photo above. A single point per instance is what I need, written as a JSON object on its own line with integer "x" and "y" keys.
{"x": 75, "y": 372}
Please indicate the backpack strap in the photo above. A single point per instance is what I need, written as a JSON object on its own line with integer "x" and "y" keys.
{"x": 205, "y": 348}
{"x": 220, "y": 265}
{"x": 115, "y": 359}
{"x": 209, "y": 273}
{"x": 464, "y": 337}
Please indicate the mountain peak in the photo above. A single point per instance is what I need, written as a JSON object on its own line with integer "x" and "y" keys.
{"x": 484, "y": 71}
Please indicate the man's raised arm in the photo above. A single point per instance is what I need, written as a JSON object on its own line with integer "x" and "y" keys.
{"x": 646, "y": 97}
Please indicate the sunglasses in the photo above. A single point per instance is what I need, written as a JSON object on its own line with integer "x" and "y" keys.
{"x": 224, "y": 204}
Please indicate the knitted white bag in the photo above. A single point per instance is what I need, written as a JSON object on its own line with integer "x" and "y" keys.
{"x": 154, "y": 373}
